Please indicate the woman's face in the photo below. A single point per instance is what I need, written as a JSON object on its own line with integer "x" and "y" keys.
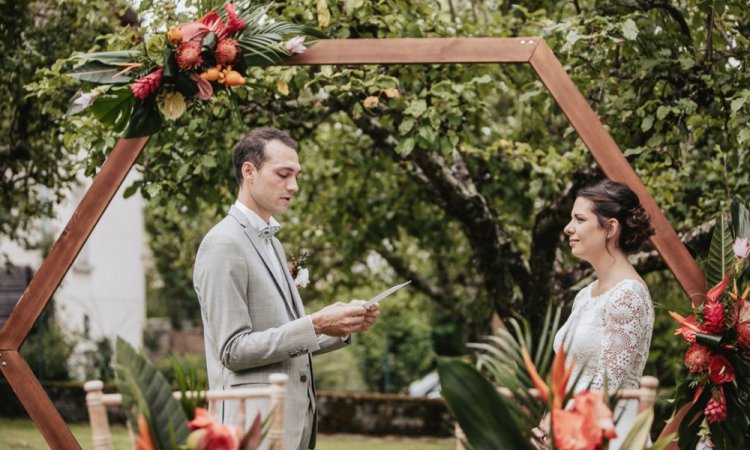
{"x": 586, "y": 237}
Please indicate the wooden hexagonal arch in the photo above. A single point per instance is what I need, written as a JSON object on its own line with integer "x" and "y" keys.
{"x": 530, "y": 50}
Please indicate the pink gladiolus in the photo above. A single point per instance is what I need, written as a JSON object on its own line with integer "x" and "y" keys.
{"x": 296, "y": 45}
{"x": 205, "y": 90}
{"x": 741, "y": 248}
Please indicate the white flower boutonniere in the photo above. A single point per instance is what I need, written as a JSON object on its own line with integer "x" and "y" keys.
{"x": 299, "y": 272}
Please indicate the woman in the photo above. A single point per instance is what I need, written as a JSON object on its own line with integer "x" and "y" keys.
{"x": 609, "y": 329}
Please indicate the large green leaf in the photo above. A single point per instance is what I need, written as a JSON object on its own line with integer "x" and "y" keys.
{"x": 114, "y": 107}
{"x": 100, "y": 73}
{"x": 145, "y": 391}
{"x": 145, "y": 120}
{"x": 720, "y": 253}
{"x": 740, "y": 220}
{"x": 638, "y": 435}
{"x": 113, "y": 58}
{"x": 485, "y": 417}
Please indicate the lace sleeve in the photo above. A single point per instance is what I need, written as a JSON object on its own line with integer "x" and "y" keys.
{"x": 629, "y": 320}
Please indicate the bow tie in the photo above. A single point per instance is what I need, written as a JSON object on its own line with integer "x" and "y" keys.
{"x": 268, "y": 231}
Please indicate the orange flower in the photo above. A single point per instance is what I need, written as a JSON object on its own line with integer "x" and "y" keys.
{"x": 597, "y": 417}
{"x": 218, "y": 437}
{"x": 585, "y": 427}
{"x": 560, "y": 375}
{"x": 202, "y": 419}
{"x": 567, "y": 429}
{"x": 144, "y": 441}
{"x": 689, "y": 327}
{"x": 539, "y": 384}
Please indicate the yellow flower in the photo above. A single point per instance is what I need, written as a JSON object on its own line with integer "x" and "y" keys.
{"x": 282, "y": 87}
{"x": 172, "y": 105}
{"x": 392, "y": 93}
{"x": 174, "y": 35}
{"x": 371, "y": 102}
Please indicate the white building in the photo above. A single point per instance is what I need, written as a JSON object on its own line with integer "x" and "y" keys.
{"x": 104, "y": 292}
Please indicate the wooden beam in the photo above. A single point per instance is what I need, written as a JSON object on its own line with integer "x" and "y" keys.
{"x": 418, "y": 51}
{"x": 66, "y": 248}
{"x": 613, "y": 163}
{"x": 46, "y": 418}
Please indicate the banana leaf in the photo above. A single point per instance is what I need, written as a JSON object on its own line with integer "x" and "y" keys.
{"x": 720, "y": 253}
{"x": 484, "y": 415}
{"x": 100, "y": 73}
{"x": 145, "y": 391}
{"x": 145, "y": 120}
{"x": 112, "y": 57}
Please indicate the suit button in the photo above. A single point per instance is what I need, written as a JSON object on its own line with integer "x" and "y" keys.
{"x": 303, "y": 378}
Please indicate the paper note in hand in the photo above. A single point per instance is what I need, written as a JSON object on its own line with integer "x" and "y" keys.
{"x": 385, "y": 294}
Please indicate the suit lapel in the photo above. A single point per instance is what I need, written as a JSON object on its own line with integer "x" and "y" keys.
{"x": 257, "y": 245}
{"x": 297, "y": 301}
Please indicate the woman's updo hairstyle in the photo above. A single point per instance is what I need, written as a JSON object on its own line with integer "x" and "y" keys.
{"x": 613, "y": 200}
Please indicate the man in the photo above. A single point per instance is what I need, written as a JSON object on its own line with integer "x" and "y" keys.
{"x": 253, "y": 318}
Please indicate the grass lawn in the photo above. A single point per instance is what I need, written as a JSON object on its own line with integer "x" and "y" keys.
{"x": 21, "y": 434}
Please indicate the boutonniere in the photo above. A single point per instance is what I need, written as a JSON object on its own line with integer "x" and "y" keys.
{"x": 298, "y": 270}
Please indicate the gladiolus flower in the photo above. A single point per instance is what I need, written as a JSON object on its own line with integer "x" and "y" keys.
{"x": 720, "y": 371}
{"x": 597, "y": 417}
{"x": 147, "y": 85}
{"x": 188, "y": 55}
{"x": 296, "y": 45}
{"x": 741, "y": 248}
{"x": 697, "y": 358}
{"x": 172, "y": 105}
{"x": 567, "y": 428}
{"x": 227, "y": 51}
{"x": 205, "y": 90}
{"x": 536, "y": 379}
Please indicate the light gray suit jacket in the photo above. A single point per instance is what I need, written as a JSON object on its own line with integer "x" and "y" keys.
{"x": 254, "y": 322}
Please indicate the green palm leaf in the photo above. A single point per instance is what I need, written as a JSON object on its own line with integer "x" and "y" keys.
{"x": 487, "y": 418}
{"x": 145, "y": 391}
{"x": 720, "y": 253}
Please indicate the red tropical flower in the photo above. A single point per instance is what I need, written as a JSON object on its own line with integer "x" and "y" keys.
{"x": 689, "y": 327}
{"x": 188, "y": 55}
{"x": 716, "y": 409}
{"x": 147, "y": 85}
{"x": 202, "y": 419}
{"x": 720, "y": 371}
{"x": 234, "y": 23}
{"x": 697, "y": 358}
{"x": 218, "y": 437}
{"x": 227, "y": 51}
{"x": 713, "y": 295}
{"x": 144, "y": 441}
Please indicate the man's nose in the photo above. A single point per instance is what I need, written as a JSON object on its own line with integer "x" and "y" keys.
{"x": 293, "y": 186}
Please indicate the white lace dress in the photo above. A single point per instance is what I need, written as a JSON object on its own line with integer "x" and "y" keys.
{"x": 609, "y": 335}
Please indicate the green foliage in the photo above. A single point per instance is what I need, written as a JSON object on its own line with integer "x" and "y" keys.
{"x": 48, "y": 349}
{"x": 484, "y": 415}
{"x": 190, "y": 378}
{"x": 720, "y": 254}
{"x": 145, "y": 391}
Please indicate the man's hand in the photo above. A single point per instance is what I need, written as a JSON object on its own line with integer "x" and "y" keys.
{"x": 371, "y": 314}
{"x": 339, "y": 319}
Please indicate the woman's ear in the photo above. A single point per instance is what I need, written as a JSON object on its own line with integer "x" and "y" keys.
{"x": 613, "y": 226}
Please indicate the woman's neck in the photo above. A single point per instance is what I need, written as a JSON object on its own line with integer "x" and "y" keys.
{"x": 610, "y": 268}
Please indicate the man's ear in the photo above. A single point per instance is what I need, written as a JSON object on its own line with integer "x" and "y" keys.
{"x": 248, "y": 171}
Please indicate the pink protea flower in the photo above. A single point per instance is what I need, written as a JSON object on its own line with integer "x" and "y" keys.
{"x": 188, "y": 55}
{"x": 721, "y": 371}
{"x": 716, "y": 409}
{"x": 697, "y": 358}
{"x": 147, "y": 85}
{"x": 227, "y": 51}
{"x": 296, "y": 45}
{"x": 741, "y": 248}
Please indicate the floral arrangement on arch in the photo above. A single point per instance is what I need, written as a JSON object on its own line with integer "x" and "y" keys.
{"x": 717, "y": 388}
{"x": 167, "y": 73}
{"x": 534, "y": 411}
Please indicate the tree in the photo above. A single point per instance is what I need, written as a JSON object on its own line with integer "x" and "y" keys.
{"x": 461, "y": 178}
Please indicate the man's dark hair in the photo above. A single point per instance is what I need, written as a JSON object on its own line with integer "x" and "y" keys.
{"x": 252, "y": 148}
